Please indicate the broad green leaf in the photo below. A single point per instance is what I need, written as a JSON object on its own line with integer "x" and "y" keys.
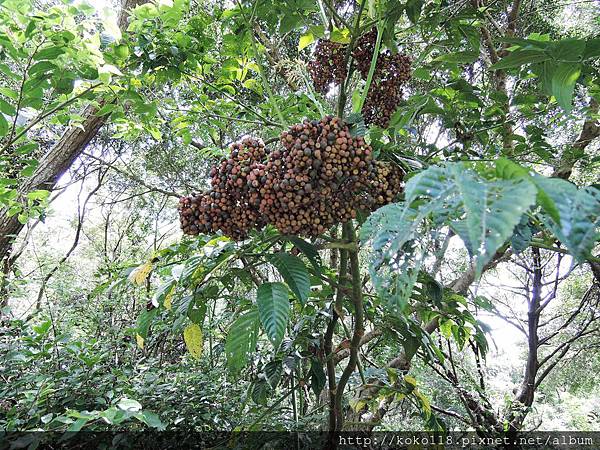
{"x": 308, "y": 250}
{"x": 294, "y": 272}
{"x": 592, "y": 49}
{"x": 568, "y": 50}
{"x": 519, "y": 58}
{"x": 78, "y": 425}
{"x": 260, "y": 392}
{"x": 563, "y": 83}
{"x": 151, "y": 419}
{"x": 241, "y": 340}
{"x": 492, "y": 210}
{"x": 579, "y": 215}
{"x": 7, "y": 108}
{"x": 144, "y": 321}
{"x": 49, "y": 53}
{"x": 192, "y": 335}
{"x": 340, "y": 36}
{"x": 273, "y": 309}
{"x": 273, "y": 371}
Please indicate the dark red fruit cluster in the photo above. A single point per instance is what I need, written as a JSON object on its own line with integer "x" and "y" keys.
{"x": 232, "y": 203}
{"x": 327, "y": 66}
{"x": 391, "y": 73}
{"x": 321, "y": 177}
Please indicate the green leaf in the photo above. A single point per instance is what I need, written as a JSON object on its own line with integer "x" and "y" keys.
{"x": 568, "y": 50}
{"x": 340, "y": 36}
{"x": 289, "y": 22}
{"x": 41, "y": 68}
{"x": 78, "y": 424}
{"x": 519, "y": 58}
{"x": 49, "y": 53}
{"x": 563, "y": 83}
{"x": 241, "y": 340}
{"x": 492, "y": 210}
{"x": 273, "y": 370}
{"x": 413, "y": 9}
{"x": 3, "y": 125}
{"x": 260, "y": 392}
{"x": 7, "y": 108}
{"x": 579, "y": 215}
{"x": 294, "y": 272}
{"x": 273, "y": 309}
{"x": 151, "y": 419}
{"x": 592, "y": 49}
{"x": 308, "y": 250}
{"x": 318, "y": 378}
{"x": 522, "y": 236}
{"x": 106, "y": 109}
{"x": 144, "y": 321}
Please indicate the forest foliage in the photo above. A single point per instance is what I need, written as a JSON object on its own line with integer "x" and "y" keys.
{"x": 376, "y": 320}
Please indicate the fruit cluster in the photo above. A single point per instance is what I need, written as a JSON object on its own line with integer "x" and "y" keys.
{"x": 232, "y": 203}
{"x": 391, "y": 72}
{"x": 328, "y": 65}
{"x": 322, "y": 176}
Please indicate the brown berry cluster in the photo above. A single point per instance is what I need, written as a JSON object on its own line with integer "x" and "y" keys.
{"x": 391, "y": 73}
{"x": 327, "y": 66}
{"x": 322, "y": 176}
{"x": 232, "y": 203}
{"x": 312, "y": 182}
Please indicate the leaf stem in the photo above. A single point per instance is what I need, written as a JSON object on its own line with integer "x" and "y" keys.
{"x": 380, "y": 28}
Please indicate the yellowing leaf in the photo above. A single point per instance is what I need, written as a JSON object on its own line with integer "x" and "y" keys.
{"x": 425, "y": 404}
{"x": 305, "y": 41}
{"x": 410, "y": 380}
{"x": 140, "y": 273}
{"x": 192, "y": 335}
{"x": 168, "y": 300}
{"x": 139, "y": 340}
{"x": 357, "y": 405}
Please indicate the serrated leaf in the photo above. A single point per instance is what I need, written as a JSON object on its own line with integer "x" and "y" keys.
{"x": 579, "y": 215}
{"x": 241, "y": 340}
{"x": 492, "y": 212}
{"x": 192, "y": 335}
{"x": 273, "y": 309}
{"x": 294, "y": 272}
